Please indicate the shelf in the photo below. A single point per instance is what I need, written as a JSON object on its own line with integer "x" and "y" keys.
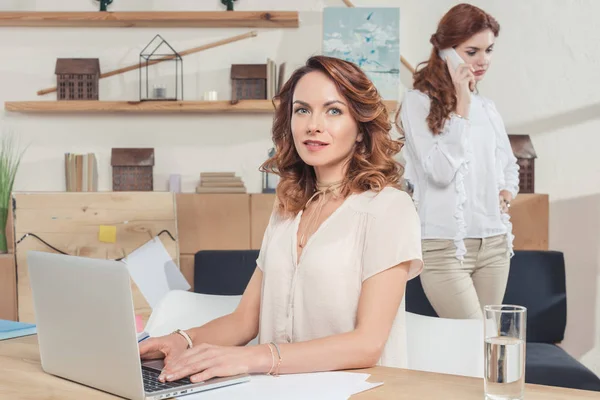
{"x": 162, "y": 19}
{"x": 91, "y": 106}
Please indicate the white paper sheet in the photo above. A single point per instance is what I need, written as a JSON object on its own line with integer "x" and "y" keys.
{"x": 154, "y": 272}
{"x": 315, "y": 386}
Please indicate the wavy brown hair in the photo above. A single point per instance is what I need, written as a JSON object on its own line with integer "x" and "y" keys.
{"x": 459, "y": 24}
{"x": 371, "y": 166}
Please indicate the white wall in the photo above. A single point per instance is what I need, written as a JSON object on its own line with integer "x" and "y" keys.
{"x": 544, "y": 81}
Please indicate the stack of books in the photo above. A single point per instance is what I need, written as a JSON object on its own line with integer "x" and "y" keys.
{"x": 220, "y": 182}
{"x": 274, "y": 79}
{"x": 81, "y": 172}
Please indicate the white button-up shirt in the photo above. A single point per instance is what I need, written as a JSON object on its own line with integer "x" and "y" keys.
{"x": 458, "y": 174}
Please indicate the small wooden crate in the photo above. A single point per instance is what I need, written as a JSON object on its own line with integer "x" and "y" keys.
{"x": 249, "y": 81}
{"x": 132, "y": 169}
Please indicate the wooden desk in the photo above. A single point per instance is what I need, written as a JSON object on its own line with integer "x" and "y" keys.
{"x": 21, "y": 377}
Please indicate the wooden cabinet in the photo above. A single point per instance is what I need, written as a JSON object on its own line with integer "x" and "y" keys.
{"x": 220, "y": 222}
{"x": 71, "y": 222}
{"x": 213, "y": 222}
{"x": 8, "y": 287}
{"x": 530, "y": 213}
{"x": 200, "y": 221}
{"x": 261, "y": 206}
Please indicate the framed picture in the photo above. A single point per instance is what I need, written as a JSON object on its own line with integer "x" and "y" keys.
{"x": 368, "y": 37}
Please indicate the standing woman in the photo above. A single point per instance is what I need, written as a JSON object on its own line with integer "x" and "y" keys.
{"x": 460, "y": 162}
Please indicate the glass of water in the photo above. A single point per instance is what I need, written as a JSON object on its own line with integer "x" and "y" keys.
{"x": 505, "y": 336}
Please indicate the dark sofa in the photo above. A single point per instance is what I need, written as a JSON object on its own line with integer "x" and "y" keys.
{"x": 536, "y": 281}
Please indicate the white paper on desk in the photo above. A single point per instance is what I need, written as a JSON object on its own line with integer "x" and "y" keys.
{"x": 154, "y": 272}
{"x": 315, "y": 386}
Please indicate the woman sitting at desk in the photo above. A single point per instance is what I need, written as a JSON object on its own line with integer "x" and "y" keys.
{"x": 341, "y": 243}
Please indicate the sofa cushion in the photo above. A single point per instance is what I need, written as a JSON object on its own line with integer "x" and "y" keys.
{"x": 548, "y": 364}
{"x": 223, "y": 272}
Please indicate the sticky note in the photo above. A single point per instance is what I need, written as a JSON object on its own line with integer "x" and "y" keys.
{"x": 139, "y": 323}
{"x": 107, "y": 234}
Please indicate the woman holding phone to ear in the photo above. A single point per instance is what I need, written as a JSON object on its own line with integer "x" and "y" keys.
{"x": 460, "y": 163}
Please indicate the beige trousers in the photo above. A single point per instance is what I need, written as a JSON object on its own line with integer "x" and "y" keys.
{"x": 460, "y": 290}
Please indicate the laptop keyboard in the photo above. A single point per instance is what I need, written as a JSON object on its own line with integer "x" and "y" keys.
{"x": 152, "y": 384}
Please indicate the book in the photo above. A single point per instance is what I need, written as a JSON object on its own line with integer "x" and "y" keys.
{"x": 81, "y": 172}
{"x": 281, "y": 78}
{"x": 270, "y": 78}
{"x": 12, "y": 329}
{"x": 204, "y": 189}
{"x": 217, "y": 174}
{"x": 221, "y": 179}
{"x": 222, "y": 183}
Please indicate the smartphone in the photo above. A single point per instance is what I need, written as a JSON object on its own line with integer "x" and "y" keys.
{"x": 453, "y": 57}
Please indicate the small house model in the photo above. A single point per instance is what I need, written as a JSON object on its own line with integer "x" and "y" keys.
{"x": 523, "y": 150}
{"x": 249, "y": 81}
{"x": 132, "y": 169}
{"x": 77, "y": 78}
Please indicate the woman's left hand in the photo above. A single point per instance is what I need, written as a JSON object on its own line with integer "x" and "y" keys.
{"x": 505, "y": 199}
{"x": 207, "y": 361}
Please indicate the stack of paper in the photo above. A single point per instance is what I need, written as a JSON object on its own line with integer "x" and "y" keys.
{"x": 154, "y": 272}
{"x": 315, "y": 386}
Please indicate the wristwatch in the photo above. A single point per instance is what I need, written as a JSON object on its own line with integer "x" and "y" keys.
{"x": 187, "y": 337}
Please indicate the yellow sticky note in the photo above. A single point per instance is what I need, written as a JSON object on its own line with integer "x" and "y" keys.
{"x": 107, "y": 234}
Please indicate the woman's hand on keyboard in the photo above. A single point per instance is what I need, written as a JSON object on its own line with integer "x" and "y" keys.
{"x": 207, "y": 361}
{"x": 167, "y": 347}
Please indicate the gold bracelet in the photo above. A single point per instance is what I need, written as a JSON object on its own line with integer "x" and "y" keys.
{"x": 185, "y": 336}
{"x": 272, "y": 358}
{"x": 279, "y": 356}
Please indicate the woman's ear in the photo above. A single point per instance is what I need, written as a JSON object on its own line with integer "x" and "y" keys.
{"x": 359, "y": 137}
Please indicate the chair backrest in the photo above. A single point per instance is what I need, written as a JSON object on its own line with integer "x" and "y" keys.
{"x": 180, "y": 309}
{"x": 223, "y": 272}
{"x": 447, "y": 346}
{"x": 416, "y": 299}
{"x": 536, "y": 281}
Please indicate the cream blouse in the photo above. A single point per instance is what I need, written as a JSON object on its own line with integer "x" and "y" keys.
{"x": 318, "y": 296}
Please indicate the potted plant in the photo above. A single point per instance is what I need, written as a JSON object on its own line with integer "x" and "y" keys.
{"x": 228, "y": 4}
{"x": 10, "y": 158}
{"x": 104, "y": 4}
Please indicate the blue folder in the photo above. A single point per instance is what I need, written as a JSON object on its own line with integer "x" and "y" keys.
{"x": 12, "y": 329}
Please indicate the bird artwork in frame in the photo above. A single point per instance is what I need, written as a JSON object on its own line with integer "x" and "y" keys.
{"x": 368, "y": 37}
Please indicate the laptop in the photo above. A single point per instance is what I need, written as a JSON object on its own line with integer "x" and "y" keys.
{"x": 86, "y": 329}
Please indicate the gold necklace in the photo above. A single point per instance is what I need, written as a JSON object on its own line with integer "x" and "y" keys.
{"x": 321, "y": 192}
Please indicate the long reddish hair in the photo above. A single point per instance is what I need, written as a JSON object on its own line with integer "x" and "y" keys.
{"x": 371, "y": 166}
{"x": 456, "y": 26}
